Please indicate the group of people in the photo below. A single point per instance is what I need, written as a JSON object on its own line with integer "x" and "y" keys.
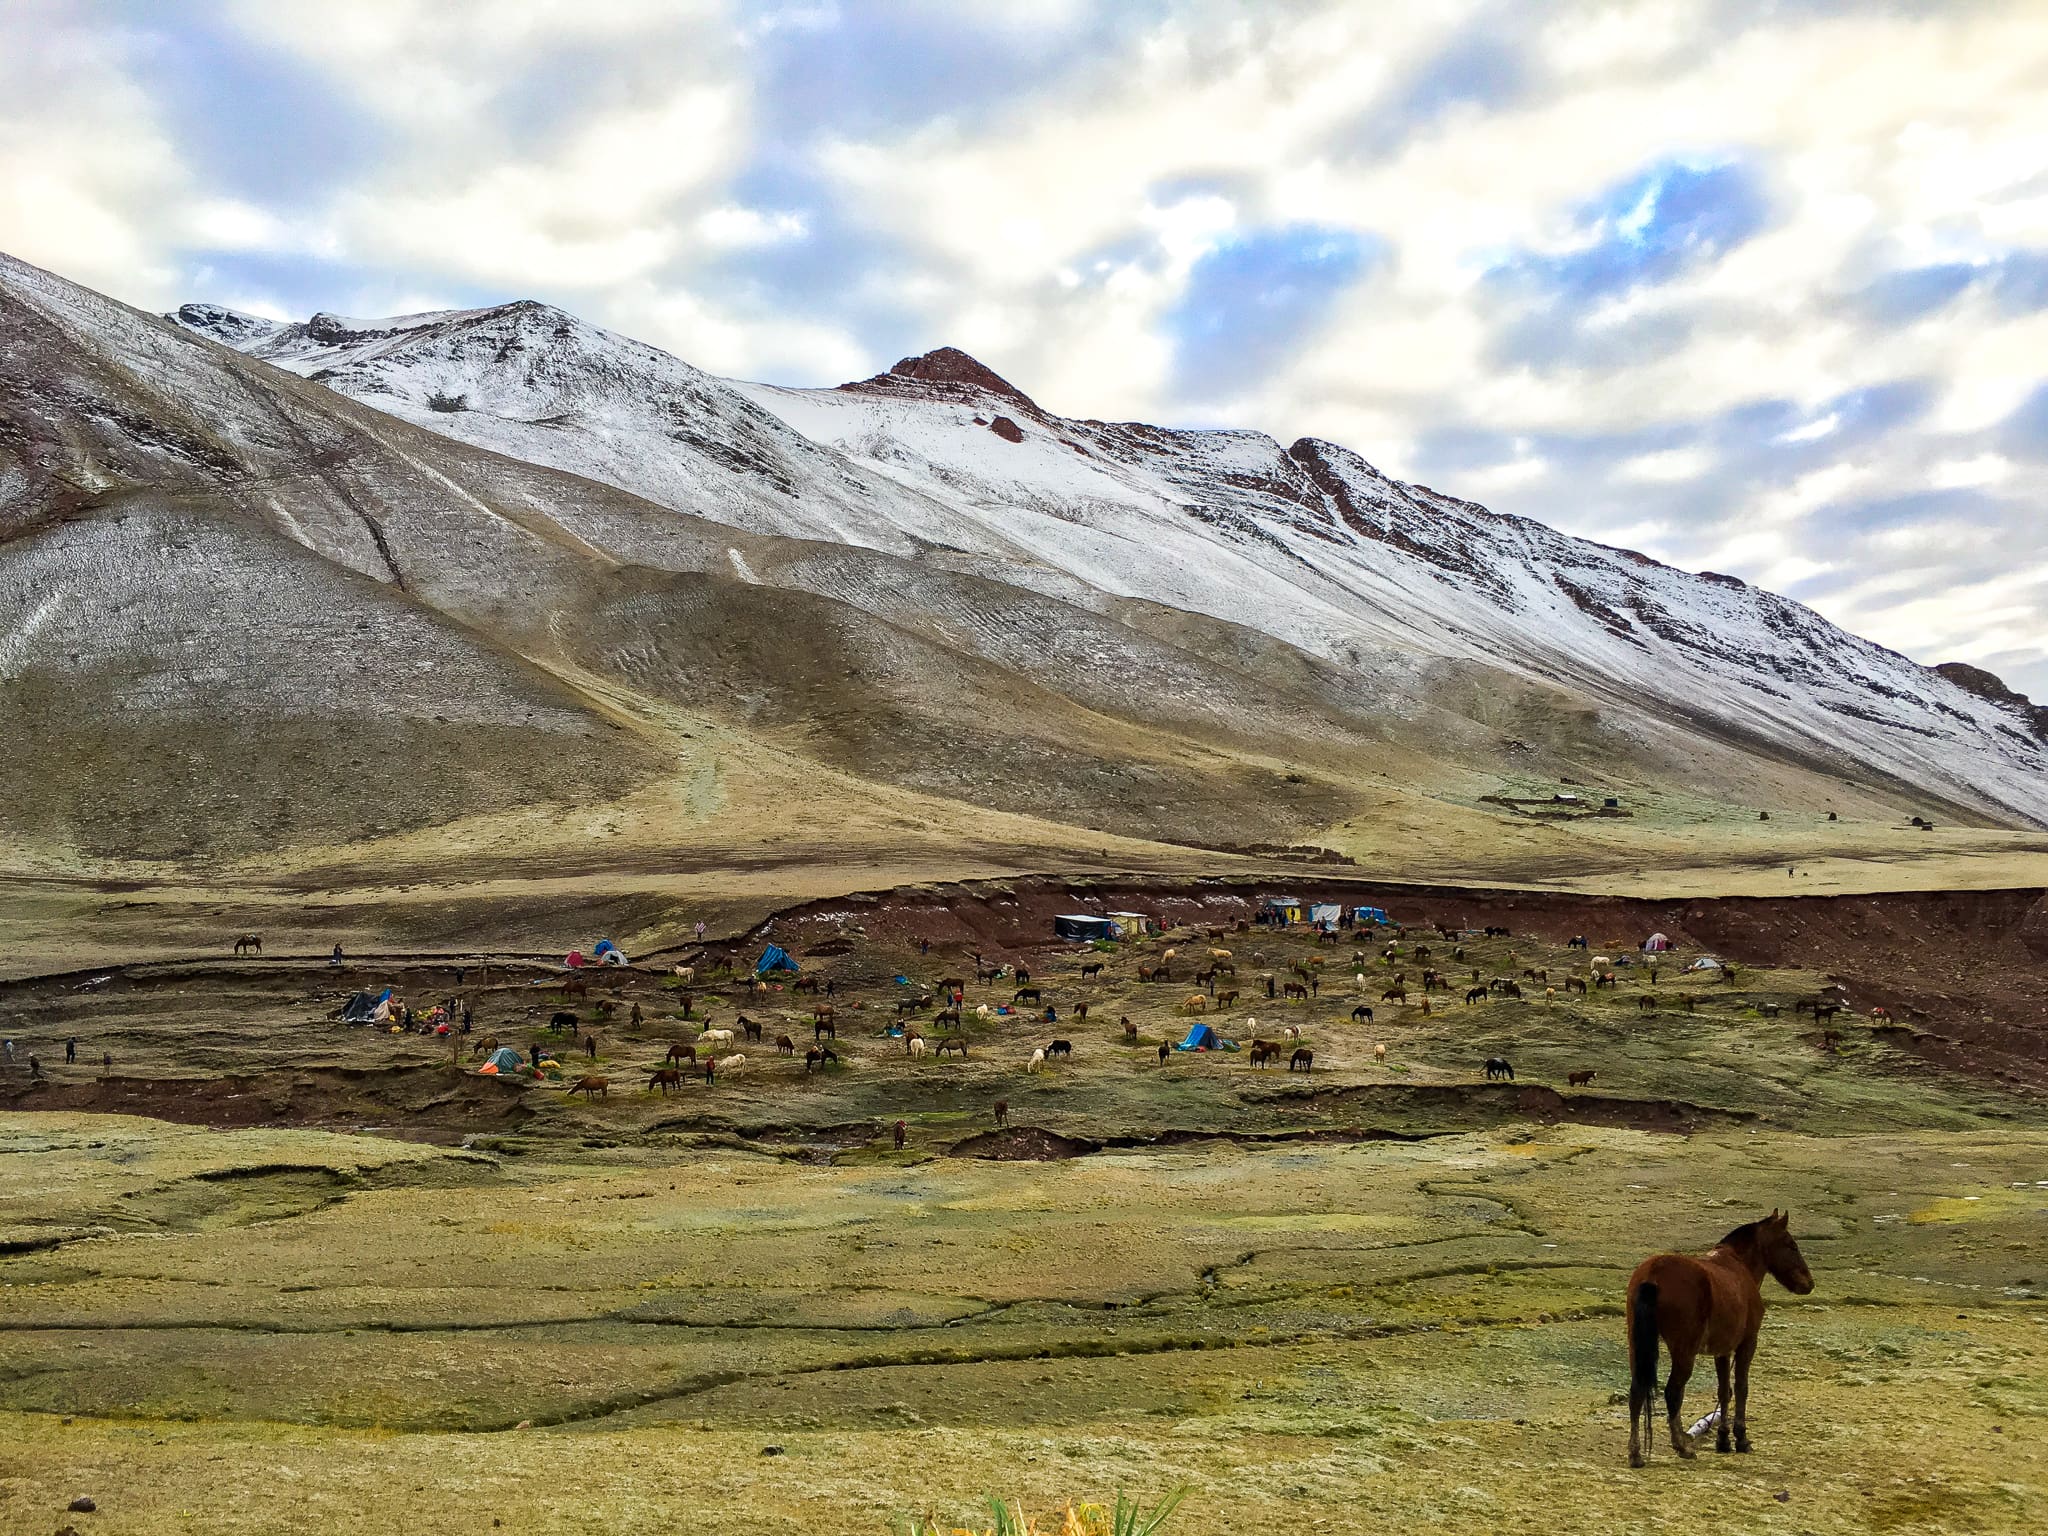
{"x": 36, "y": 1074}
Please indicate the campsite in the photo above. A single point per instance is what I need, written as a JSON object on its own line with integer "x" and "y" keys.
{"x": 1392, "y": 1280}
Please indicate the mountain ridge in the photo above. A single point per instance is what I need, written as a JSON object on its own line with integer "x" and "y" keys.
{"x": 655, "y": 577}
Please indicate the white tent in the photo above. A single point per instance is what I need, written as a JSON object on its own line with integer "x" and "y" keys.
{"x": 1656, "y": 943}
{"x": 1706, "y": 963}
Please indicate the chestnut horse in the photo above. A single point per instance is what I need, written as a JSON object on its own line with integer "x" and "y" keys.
{"x": 1714, "y": 1305}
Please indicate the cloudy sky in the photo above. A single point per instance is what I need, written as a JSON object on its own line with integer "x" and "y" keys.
{"x": 1755, "y": 287}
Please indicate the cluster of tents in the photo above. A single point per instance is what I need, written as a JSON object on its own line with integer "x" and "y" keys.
{"x": 606, "y": 953}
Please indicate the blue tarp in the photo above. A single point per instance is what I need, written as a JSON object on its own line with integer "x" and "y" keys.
{"x": 773, "y": 958}
{"x": 1369, "y": 914}
{"x": 1200, "y": 1038}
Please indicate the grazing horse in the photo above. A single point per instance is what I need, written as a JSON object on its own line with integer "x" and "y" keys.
{"x": 249, "y": 941}
{"x": 1092, "y": 968}
{"x": 823, "y": 1026}
{"x": 1646, "y": 1004}
{"x": 1032, "y": 994}
{"x": 1575, "y": 984}
{"x": 803, "y": 984}
{"x": 785, "y": 1045}
{"x": 1579, "y": 1079}
{"x": 817, "y": 1056}
{"x": 952, "y": 984}
{"x": 591, "y": 1087}
{"x": 902, "y": 1133}
{"x": 664, "y": 1078}
{"x": 1497, "y": 1066}
{"x": 1394, "y": 995}
{"x": 678, "y": 1053}
{"x": 561, "y": 1021}
{"x": 1262, "y": 1052}
{"x": 953, "y": 1043}
{"x": 1002, "y": 1111}
{"x": 1474, "y": 995}
{"x": 944, "y": 1017}
{"x": 1130, "y": 1031}
{"x": 1060, "y": 1048}
{"x": 1165, "y": 1051}
{"x": 1303, "y": 1060}
{"x": 1362, "y": 1014}
{"x": 1711, "y": 1305}
{"x": 750, "y": 1029}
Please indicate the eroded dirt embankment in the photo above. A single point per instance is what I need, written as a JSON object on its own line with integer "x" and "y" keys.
{"x": 404, "y": 1100}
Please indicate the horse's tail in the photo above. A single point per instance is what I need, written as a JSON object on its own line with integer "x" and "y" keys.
{"x": 1642, "y": 1342}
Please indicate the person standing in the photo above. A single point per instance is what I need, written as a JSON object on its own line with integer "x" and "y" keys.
{"x": 70, "y": 1050}
{"x": 335, "y": 958}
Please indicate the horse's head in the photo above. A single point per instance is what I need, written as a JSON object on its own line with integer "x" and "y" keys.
{"x": 1781, "y": 1255}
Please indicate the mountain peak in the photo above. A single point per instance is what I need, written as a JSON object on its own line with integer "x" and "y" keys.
{"x": 951, "y": 370}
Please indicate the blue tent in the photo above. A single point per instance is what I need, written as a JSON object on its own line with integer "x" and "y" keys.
{"x": 1200, "y": 1038}
{"x": 505, "y": 1059}
{"x": 773, "y": 958}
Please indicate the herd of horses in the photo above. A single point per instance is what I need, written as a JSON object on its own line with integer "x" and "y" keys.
{"x": 1688, "y": 1306}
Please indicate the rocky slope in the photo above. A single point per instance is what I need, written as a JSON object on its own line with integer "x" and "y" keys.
{"x": 1309, "y": 544}
{"x": 281, "y": 586}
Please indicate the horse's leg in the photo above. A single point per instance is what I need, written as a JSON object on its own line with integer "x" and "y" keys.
{"x": 1722, "y": 1426}
{"x": 1674, "y": 1399}
{"x": 1743, "y": 1354}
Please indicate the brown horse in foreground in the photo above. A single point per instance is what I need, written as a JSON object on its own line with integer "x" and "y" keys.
{"x": 1712, "y": 1305}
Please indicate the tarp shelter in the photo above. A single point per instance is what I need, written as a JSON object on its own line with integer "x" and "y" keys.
{"x": 573, "y": 959}
{"x": 1706, "y": 963}
{"x": 503, "y": 1059}
{"x": 1325, "y": 914}
{"x": 773, "y": 958}
{"x": 1200, "y": 1038}
{"x": 1369, "y": 914}
{"x": 1656, "y": 944}
{"x": 1132, "y": 922}
{"x": 365, "y": 1009}
{"x": 608, "y": 953}
{"x": 1284, "y": 909}
{"x": 1081, "y": 925}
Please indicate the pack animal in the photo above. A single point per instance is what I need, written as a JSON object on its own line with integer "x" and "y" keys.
{"x": 1711, "y": 1305}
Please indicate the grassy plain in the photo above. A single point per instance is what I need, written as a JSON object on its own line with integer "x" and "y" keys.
{"x": 1382, "y": 1295}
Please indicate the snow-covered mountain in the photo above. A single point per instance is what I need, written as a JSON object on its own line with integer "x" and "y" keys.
{"x": 942, "y": 461}
{"x": 273, "y": 586}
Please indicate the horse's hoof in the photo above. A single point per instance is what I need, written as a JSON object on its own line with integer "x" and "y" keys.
{"x": 1743, "y": 1446}
{"x": 1637, "y": 1459}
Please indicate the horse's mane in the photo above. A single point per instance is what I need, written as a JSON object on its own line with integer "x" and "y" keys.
{"x": 1746, "y": 1233}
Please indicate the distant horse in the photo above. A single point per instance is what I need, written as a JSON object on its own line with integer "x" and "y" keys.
{"x": 1579, "y": 1079}
{"x": 1712, "y": 1305}
{"x": 1498, "y": 1066}
{"x": 678, "y": 1053}
{"x": 1303, "y": 1060}
{"x": 591, "y": 1087}
{"x": 664, "y": 1078}
{"x": 1361, "y": 1014}
{"x": 249, "y": 941}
